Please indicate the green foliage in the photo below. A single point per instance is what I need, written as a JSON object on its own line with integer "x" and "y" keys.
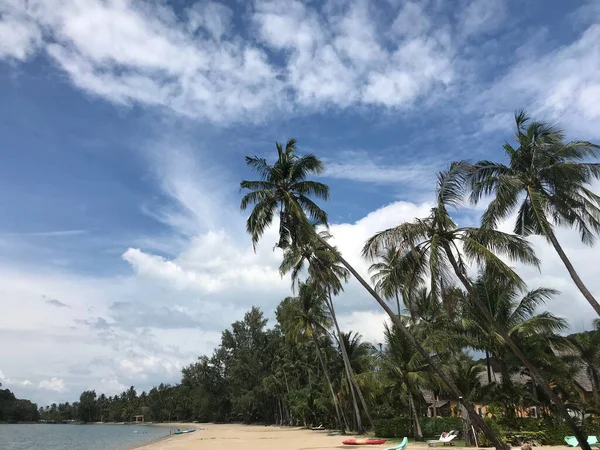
{"x": 397, "y": 427}
{"x": 434, "y": 426}
{"x": 400, "y": 427}
{"x": 15, "y": 410}
{"x": 546, "y": 431}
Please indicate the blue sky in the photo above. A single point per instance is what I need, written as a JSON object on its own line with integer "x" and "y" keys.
{"x": 124, "y": 125}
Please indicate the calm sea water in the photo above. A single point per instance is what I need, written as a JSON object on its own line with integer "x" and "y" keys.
{"x": 77, "y": 437}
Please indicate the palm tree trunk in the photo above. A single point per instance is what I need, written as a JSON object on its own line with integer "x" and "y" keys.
{"x": 574, "y": 276}
{"x": 398, "y": 303}
{"x": 517, "y": 351}
{"x": 333, "y": 396}
{"x": 349, "y": 369}
{"x": 594, "y": 380}
{"x": 466, "y": 426}
{"x": 489, "y": 368}
{"x": 436, "y": 368}
{"x": 411, "y": 404}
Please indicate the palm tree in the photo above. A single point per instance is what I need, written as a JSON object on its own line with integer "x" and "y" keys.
{"x": 284, "y": 188}
{"x": 278, "y": 190}
{"x": 327, "y": 274}
{"x": 406, "y": 367}
{"x": 547, "y": 179}
{"x": 385, "y": 275}
{"x": 304, "y": 317}
{"x": 515, "y": 311}
{"x": 587, "y": 346}
{"x": 436, "y": 245}
{"x": 466, "y": 374}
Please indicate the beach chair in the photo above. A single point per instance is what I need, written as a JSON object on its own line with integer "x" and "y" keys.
{"x": 445, "y": 438}
{"x": 400, "y": 446}
{"x": 572, "y": 441}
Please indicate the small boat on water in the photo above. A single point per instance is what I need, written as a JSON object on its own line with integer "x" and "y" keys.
{"x": 184, "y": 431}
{"x": 364, "y": 441}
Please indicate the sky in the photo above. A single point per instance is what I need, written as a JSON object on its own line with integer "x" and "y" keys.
{"x": 123, "y": 130}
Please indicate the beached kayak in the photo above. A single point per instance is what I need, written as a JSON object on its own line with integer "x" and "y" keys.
{"x": 184, "y": 431}
{"x": 364, "y": 441}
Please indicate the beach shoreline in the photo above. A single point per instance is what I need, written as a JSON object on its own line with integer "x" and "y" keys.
{"x": 174, "y": 426}
{"x": 260, "y": 437}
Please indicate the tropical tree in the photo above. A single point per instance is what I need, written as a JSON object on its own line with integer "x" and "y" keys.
{"x": 284, "y": 189}
{"x": 304, "y": 317}
{"x": 406, "y": 371}
{"x": 587, "y": 347}
{"x": 437, "y": 247}
{"x": 515, "y": 310}
{"x": 466, "y": 374}
{"x": 326, "y": 274}
{"x": 548, "y": 180}
{"x": 277, "y": 190}
{"x": 385, "y": 276}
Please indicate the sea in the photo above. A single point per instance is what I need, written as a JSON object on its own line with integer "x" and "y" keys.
{"x": 77, "y": 437}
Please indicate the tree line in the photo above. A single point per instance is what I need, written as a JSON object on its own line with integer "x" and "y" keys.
{"x": 14, "y": 410}
{"x": 448, "y": 290}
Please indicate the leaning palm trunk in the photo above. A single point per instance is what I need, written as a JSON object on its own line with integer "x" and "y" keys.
{"x": 413, "y": 409}
{"x": 572, "y": 272}
{"x": 436, "y": 368}
{"x": 347, "y": 367}
{"x": 398, "y": 303}
{"x": 535, "y": 373}
{"x": 333, "y": 396}
{"x": 466, "y": 425}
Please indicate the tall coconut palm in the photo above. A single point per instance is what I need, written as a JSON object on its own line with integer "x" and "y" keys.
{"x": 548, "y": 180}
{"x": 406, "y": 367}
{"x": 284, "y": 190}
{"x": 304, "y": 317}
{"x": 384, "y": 276}
{"x": 327, "y": 274}
{"x": 466, "y": 374}
{"x": 276, "y": 191}
{"x": 436, "y": 245}
{"x": 514, "y": 310}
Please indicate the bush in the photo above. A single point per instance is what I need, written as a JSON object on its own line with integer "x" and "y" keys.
{"x": 397, "y": 427}
{"x": 547, "y": 431}
{"x": 433, "y": 427}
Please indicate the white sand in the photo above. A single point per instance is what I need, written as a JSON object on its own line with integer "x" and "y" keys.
{"x": 255, "y": 437}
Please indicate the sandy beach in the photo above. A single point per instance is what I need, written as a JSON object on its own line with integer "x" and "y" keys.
{"x": 254, "y": 437}
{"x": 248, "y": 437}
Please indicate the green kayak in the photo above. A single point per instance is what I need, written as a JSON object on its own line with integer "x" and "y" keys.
{"x": 184, "y": 431}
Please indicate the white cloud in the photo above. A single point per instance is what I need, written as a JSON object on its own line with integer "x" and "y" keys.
{"x": 19, "y": 34}
{"x": 53, "y": 384}
{"x": 560, "y": 86}
{"x": 358, "y": 166}
{"x": 370, "y": 324}
{"x": 482, "y": 16}
{"x": 197, "y": 64}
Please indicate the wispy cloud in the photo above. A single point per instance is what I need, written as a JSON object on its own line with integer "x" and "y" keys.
{"x": 197, "y": 64}
{"x": 359, "y": 166}
{"x": 561, "y": 85}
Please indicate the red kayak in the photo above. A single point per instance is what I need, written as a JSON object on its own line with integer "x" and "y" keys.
{"x": 364, "y": 441}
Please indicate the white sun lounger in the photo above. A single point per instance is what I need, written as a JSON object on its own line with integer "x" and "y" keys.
{"x": 445, "y": 438}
